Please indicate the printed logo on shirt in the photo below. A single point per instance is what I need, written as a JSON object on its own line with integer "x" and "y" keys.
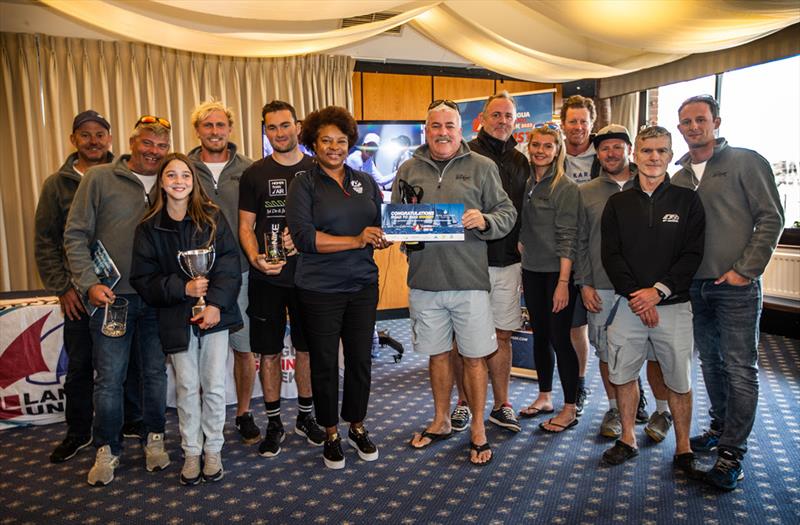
{"x": 277, "y": 188}
{"x": 462, "y": 176}
{"x": 720, "y": 174}
{"x": 275, "y": 208}
{"x": 671, "y": 217}
{"x": 356, "y": 185}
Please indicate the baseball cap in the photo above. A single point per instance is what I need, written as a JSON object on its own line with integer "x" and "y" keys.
{"x": 612, "y": 131}
{"x": 90, "y": 115}
{"x": 373, "y": 138}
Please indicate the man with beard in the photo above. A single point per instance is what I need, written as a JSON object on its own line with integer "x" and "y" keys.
{"x": 449, "y": 281}
{"x": 613, "y": 146}
{"x": 496, "y": 142}
{"x": 262, "y": 217}
{"x": 91, "y": 136}
{"x": 110, "y": 201}
{"x": 219, "y": 169}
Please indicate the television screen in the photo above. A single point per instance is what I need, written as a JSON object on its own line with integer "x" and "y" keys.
{"x": 383, "y": 146}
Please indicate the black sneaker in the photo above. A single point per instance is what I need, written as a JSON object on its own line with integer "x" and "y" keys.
{"x": 641, "y": 411}
{"x": 620, "y": 453}
{"x": 273, "y": 437}
{"x": 459, "y": 419}
{"x": 332, "y": 453}
{"x": 359, "y": 440}
{"x": 308, "y": 428}
{"x": 686, "y": 463}
{"x": 134, "y": 430}
{"x": 247, "y": 428}
{"x": 505, "y": 417}
{"x": 580, "y": 401}
{"x": 69, "y": 447}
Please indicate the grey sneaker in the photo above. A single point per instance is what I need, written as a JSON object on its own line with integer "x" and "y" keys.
{"x": 459, "y": 419}
{"x": 156, "y": 458}
{"x": 658, "y": 426}
{"x": 611, "y": 427}
{"x": 504, "y": 417}
{"x": 212, "y": 466}
{"x": 190, "y": 474}
{"x": 102, "y": 472}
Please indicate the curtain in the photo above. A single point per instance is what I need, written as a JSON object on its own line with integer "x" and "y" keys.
{"x": 625, "y": 111}
{"x": 47, "y": 80}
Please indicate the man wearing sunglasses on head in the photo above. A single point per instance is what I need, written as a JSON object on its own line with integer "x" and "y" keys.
{"x": 219, "y": 167}
{"x": 109, "y": 203}
{"x": 449, "y": 281}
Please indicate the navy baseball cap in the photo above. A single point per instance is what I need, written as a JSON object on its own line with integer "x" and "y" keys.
{"x": 90, "y": 115}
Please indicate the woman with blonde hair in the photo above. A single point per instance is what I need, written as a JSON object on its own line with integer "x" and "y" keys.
{"x": 547, "y": 244}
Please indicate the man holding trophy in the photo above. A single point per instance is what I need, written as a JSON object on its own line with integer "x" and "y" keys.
{"x": 109, "y": 203}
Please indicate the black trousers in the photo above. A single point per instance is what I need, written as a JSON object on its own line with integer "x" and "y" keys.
{"x": 79, "y": 383}
{"x": 327, "y": 318}
{"x": 551, "y": 332}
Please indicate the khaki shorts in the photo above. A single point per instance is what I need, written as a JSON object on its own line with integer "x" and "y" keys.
{"x": 506, "y": 283}
{"x": 436, "y": 316}
{"x": 672, "y": 342}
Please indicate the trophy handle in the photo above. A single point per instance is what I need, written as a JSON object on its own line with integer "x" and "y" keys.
{"x": 213, "y": 257}
{"x": 182, "y": 267}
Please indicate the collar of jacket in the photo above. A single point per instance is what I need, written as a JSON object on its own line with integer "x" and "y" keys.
{"x": 68, "y": 168}
{"x": 423, "y": 153}
{"x": 194, "y": 155}
{"x": 659, "y": 188}
{"x": 719, "y": 145}
{"x": 166, "y": 223}
{"x": 634, "y": 169}
{"x": 495, "y": 145}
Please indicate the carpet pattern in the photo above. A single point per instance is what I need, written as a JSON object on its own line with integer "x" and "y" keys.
{"x": 534, "y": 477}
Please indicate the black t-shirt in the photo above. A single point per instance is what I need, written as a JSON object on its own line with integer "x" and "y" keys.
{"x": 263, "y": 190}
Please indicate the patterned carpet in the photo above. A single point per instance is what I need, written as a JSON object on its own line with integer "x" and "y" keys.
{"x": 534, "y": 478}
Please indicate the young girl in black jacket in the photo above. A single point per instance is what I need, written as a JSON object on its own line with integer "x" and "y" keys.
{"x": 182, "y": 218}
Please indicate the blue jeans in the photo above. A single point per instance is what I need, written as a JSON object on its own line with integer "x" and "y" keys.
{"x": 111, "y": 355}
{"x": 726, "y": 336}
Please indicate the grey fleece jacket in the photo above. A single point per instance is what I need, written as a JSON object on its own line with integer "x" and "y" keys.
{"x": 549, "y": 222}
{"x": 594, "y": 195}
{"x": 744, "y": 216}
{"x": 55, "y": 201}
{"x": 470, "y": 179}
{"x": 108, "y": 206}
{"x": 225, "y": 193}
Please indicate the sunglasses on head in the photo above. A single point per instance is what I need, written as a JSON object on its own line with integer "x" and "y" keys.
{"x": 151, "y": 119}
{"x": 447, "y": 102}
{"x": 548, "y": 125}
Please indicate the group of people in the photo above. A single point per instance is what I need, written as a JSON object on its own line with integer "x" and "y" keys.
{"x": 605, "y": 250}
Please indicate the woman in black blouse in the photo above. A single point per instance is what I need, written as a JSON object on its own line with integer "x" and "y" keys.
{"x": 333, "y": 213}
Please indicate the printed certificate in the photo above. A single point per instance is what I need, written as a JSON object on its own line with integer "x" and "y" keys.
{"x": 423, "y": 222}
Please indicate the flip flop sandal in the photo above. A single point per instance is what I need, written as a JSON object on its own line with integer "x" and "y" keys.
{"x": 434, "y": 437}
{"x": 531, "y": 412}
{"x": 562, "y": 427}
{"x": 478, "y": 449}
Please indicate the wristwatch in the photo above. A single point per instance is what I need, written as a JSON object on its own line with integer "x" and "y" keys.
{"x": 661, "y": 294}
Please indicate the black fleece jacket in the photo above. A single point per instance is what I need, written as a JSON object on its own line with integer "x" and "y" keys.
{"x": 649, "y": 239}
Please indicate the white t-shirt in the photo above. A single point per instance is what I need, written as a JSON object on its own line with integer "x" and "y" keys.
{"x": 579, "y": 167}
{"x": 76, "y": 170}
{"x": 147, "y": 181}
{"x": 699, "y": 169}
{"x": 621, "y": 183}
{"x": 216, "y": 169}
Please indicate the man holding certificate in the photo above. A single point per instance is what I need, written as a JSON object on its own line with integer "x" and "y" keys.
{"x": 449, "y": 280}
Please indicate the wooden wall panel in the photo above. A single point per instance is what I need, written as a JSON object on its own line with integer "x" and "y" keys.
{"x": 520, "y": 86}
{"x": 392, "y": 278}
{"x": 358, "y": 111}
{"x": 456, "y": 88}
{"x": 395, "y": 97}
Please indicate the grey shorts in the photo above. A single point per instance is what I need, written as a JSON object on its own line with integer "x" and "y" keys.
{"x": 506, "y": 282}
{"x": 240, "y": 339}
{"x": 436, "y": 316}
{"x": 598, "y": 327}
{"x": 672, "y": 342}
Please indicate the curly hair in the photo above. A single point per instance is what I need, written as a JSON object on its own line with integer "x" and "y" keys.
{"x": 578, "y": 102}
{"x": 331, "y": 115}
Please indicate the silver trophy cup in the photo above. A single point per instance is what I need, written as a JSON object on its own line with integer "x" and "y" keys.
{"x": 197, "y": 263}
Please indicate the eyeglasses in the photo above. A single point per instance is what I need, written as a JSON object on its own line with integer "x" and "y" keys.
{"x": 447, "y": 102}
{"x": 550, "y": 125}
{"x": 151, "y": 119}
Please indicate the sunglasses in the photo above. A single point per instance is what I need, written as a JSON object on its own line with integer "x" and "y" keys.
{"x": 550, "y": 125}
{"x": 150, "y": 119}
{"x": 447, "y": 102}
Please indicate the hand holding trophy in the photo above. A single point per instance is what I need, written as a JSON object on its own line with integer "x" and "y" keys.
{"x": 196, "y": 264}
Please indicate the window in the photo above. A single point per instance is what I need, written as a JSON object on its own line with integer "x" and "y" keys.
{"x": 669, "y": 100}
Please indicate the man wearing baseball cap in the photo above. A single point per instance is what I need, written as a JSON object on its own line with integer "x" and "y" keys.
{"x": 91, "y": 137}
{"x": 613, "y": 147}
{"x": 363, "y": 158}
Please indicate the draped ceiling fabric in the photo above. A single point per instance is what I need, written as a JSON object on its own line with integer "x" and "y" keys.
{"x": 47, "y": 80}
{"x": 543, "y": 41}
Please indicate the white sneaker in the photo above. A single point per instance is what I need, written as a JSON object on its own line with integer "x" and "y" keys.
{"x": 212, "y": 466}
{"x": 156, "y": 458}
{"x": 190, "y": 474}
{"x": 102, "y": 472}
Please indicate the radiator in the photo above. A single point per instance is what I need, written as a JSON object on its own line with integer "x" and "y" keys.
{"x": 782, "y": 276}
